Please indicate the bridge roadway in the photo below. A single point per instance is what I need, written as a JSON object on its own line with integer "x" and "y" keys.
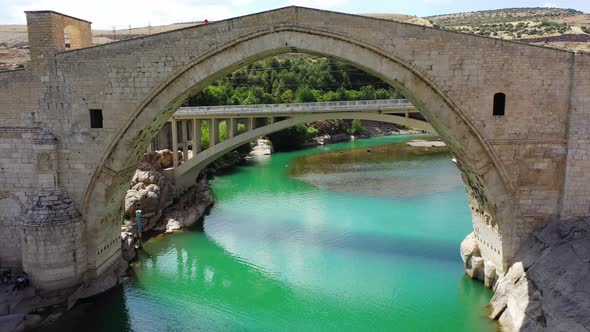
{"x": 261, "y": 120}
{"x": 380, "y": 105}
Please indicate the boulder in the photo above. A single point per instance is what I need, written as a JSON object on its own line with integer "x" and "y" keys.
{"x": 469, "y": 248}
{"x": 173, "y": 226}
{"x": 475, "y": 265}
{"x": 150, "y": 189}
{"x": 128, "y": 246}
{"x": 161, "y": 159}
{"x": 190, "y": 208}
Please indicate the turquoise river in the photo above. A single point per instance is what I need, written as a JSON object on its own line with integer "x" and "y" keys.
{"x": 356, "y": 236}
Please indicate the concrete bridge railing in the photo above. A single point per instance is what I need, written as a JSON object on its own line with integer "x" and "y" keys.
{"x": 386, "y": 105}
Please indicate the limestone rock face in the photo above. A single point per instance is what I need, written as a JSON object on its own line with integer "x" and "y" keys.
{"x": 189, "y": 209}
{"x": 128, "y": 251}
{"x": 173, "y": 226}
{"x": 548, "y": 286}
{"x": 152, "y": 191}
{"x": 476, "y": 266}
{"x": 161, "y": 159}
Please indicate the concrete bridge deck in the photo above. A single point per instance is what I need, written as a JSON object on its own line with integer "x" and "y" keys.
{"x": 379, "y": 105}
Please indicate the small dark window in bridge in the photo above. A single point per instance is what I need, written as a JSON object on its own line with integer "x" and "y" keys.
{"x": 95, "y": 118}
{"x": 499, "y": 104}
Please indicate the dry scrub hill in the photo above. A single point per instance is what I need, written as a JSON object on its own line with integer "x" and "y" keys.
{"x": 555, "y": 27}
{"x": 14, "y": 42}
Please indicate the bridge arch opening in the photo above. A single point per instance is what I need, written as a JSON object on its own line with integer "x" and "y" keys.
{"x": 487, "y": 184}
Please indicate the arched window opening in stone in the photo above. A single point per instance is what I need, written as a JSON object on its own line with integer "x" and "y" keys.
{"x": 499, "y": 104}
{"x": 72, "y": 38}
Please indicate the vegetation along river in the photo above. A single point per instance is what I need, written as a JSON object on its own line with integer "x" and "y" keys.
{"x": 356, "y": 236}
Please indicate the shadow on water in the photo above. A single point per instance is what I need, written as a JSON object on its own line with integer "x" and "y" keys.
{"x": 106, "y": 312}
{"x": 201, "y": 263}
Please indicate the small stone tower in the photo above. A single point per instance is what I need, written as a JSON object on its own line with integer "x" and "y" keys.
{"x": 51, "y": 228}
{"x": 51, "y": 32}
{"x": 51, "y": 241}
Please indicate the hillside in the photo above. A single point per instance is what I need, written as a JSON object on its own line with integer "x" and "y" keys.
{"x": 401, "y": 18}
{"x": 554, "y": 27}
{"x": 14, "y": 42}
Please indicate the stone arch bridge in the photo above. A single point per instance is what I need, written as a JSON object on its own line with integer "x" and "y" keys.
{"x": 76, "y": 123}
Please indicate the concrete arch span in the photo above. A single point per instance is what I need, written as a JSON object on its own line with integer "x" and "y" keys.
{"x": 185, "y": 174}
{"x": 488, "y": 187}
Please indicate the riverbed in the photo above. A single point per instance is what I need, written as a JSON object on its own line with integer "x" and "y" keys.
{"x": 355, "y": 236}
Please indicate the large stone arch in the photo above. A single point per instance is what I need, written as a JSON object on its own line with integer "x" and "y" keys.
{"x": 488, "y": 186}
{"x": 185, "y": 173}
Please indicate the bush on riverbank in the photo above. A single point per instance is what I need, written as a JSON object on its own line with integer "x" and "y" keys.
{"x": 356, "y": 127}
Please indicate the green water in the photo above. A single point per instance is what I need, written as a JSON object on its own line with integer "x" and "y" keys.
{"x": 358, "y": 236}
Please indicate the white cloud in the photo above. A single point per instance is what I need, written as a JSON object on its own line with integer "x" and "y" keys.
{"x": 550, "y": 5}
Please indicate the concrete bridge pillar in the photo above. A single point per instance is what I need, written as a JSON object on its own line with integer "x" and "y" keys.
{"x": 233, "y": 127}
{"x": 250, "y": 123}
{"x": 174, "y": 144}
{"x": 212, "y": 132}
{"x": 184, "y": 137}
{"x": 196, "y": 136}
{"x": 216, "y": 123}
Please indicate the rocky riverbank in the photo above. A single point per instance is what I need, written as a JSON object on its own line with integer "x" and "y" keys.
{"x": 334, "y": 131}
{"x": 547, "y": 287}
{"x": 162, "y": 212}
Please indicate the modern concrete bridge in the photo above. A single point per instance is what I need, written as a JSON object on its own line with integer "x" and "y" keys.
{"x": 261, "y": 120}
{"x": 76, "y": 123}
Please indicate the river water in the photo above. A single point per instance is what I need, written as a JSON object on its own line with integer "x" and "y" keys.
{"x": 357, "y": 236}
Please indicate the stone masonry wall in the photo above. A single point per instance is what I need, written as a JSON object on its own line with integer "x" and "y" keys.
{"x": 17, "y": 180}
{"x": 576, "y": 191}
{"x": 10, "y": 251}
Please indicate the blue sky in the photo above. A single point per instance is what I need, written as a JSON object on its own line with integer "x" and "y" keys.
{"x": 121, "y": 13}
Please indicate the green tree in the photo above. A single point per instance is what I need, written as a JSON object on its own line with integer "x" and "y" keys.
{"x": 356, "y": 127}
{"x": 304, "y": 95}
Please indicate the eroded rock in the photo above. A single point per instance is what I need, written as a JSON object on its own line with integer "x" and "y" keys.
{"x": 161, "y": 159}
{"x": 548, "y": 286}
{"x": 151, "y": 192}
{"x": 476, "y": 267}
{"x": 189, "y": 209}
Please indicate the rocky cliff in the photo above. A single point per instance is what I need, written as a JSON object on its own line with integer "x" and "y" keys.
{"x": 547, "y": 288}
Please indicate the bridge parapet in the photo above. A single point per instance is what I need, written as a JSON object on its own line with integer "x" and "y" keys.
{"x": 385, "y": 105}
